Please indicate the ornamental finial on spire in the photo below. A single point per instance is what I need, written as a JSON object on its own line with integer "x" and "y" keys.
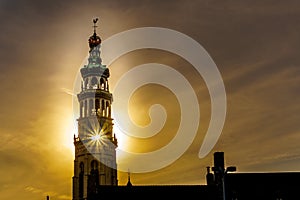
{"x": 95, "y": 21}
{"x": 94, "y": 40}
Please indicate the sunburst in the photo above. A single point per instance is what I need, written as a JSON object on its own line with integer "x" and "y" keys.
{"x": 97, "y": 134}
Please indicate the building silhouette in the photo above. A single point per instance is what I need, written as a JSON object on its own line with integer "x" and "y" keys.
{"x": 95, "y": 167}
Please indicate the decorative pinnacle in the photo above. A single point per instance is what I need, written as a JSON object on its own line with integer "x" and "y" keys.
{"x": 129, "y": 183}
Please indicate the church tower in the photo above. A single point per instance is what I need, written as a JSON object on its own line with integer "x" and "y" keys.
{"x": 95, "y": 146}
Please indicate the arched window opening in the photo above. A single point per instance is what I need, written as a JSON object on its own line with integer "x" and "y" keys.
{"x": 81, "y": 166}
{"x": 107, "y": 114}
{"x": 97, "y": 105}
{"x": 102, "y": 84}
{"x": 81, "y": 175}
{"x": 102, "y": 108}
{"x": 86, "y": 81}
{"x": 91, "y": 107}
{"x": 94, "y": 175}
{"x": 85, "y": 108}
{"x": 94, "y": 83}
{"x": 107, "y": 86}
{"x": 81, "y": 109}
{"x": 94, "y": 165}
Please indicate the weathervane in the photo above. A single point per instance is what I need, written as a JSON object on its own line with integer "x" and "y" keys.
{"x": 94, "y": 40}
{"x": 95, "y": 21}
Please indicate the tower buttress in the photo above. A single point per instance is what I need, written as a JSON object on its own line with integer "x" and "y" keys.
{"x": 95, "y": 147}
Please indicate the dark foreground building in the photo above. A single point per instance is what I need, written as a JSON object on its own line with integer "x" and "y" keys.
{"x": 237, "y": 186}
{"x": 275, "y": 185}
{"x": 259, "y": 185}
{"x": 157, "y": 192}
{"x": 95, "y": 167}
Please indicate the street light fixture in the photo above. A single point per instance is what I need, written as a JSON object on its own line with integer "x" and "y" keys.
{"x": 230, "y": 169}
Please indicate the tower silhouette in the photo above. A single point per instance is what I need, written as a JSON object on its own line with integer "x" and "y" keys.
{"x": 95, "y": 145}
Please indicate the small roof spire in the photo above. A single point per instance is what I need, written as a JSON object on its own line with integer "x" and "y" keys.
{"x": 129, "y": 183}
{"x": 208, "y": 169}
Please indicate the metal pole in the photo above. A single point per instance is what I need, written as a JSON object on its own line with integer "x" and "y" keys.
{"x": 223, "y": 186}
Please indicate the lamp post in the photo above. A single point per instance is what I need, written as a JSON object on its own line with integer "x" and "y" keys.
{"x": 223, "y": 173}
{"x": 228, "y": 169}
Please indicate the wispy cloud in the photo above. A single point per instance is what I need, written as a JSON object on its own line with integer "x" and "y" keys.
{"x": 68, "y": 91}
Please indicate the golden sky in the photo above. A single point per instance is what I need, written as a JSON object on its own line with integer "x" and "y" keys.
{"x": 255, "y": 45}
